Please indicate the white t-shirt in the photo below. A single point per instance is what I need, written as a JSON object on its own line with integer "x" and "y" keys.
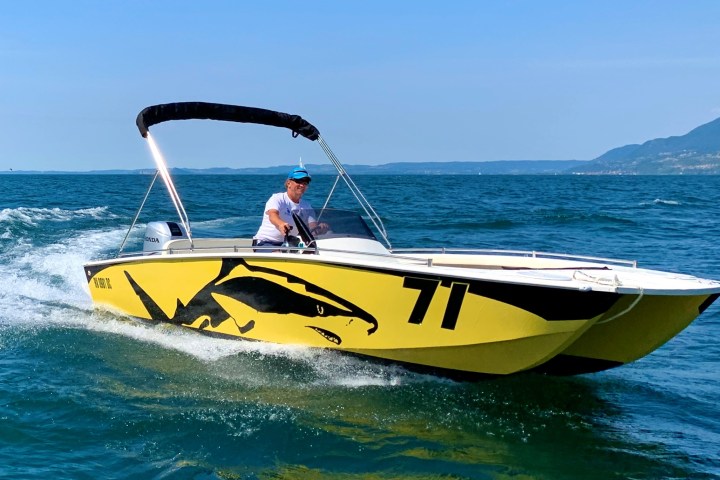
{"x": 285, "y": 207}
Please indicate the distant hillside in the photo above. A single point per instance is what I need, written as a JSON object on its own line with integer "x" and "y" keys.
{"x": 500, "y": 167}
{"x": 697, "y": 152}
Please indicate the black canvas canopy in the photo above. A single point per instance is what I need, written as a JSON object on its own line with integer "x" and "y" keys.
{"x": 229, "y": 113}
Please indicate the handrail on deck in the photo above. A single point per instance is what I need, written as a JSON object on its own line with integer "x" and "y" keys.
{"x": 516, "y": 253}
{"x": 406, "y": 254}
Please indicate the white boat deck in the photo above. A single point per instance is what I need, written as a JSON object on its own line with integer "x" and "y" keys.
{"x": 526, "y": 267}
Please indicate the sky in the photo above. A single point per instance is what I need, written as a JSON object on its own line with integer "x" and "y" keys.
{"x": 383, "y": 81}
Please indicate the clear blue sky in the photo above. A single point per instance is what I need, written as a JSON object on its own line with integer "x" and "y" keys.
{"x": 383, "y": 81}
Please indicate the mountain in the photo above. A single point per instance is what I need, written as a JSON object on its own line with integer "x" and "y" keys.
{"x": 498, "y": 167}
{"x": 697, "y": 152}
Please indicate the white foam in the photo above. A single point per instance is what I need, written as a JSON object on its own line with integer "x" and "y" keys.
{"x": 167, "y": 336}
{"x": 328, "y": 367}
{"x": 37, "y": 278}
{"x": 31, "y": 216}
{"x": 660, "y": 201}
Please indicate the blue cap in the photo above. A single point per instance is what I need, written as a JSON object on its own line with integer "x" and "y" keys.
{"x": 297, "y": 173}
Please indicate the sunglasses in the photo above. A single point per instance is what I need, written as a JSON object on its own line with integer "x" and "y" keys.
{"x": 304, "y": 181}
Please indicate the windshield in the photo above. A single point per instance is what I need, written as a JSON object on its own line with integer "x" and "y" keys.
{"x": 331, "y": 223}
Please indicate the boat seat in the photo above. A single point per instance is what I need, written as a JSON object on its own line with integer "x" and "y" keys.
{"x": 207, "y": 245}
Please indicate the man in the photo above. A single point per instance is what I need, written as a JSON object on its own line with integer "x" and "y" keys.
{"x": 277, "y": 221}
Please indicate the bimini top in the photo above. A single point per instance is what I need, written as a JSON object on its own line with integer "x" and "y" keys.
{"x": 229, "y": 113}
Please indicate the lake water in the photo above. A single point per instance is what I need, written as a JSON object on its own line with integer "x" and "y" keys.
{"x": 85, "y": 394}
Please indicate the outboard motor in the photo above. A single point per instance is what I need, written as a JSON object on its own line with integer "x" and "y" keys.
{"x": 157, "y": 234}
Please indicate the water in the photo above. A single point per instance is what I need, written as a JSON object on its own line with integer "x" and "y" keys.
{"x": 86, "y": 394}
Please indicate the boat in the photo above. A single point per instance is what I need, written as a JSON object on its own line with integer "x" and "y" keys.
{"x": 461, "y": 313}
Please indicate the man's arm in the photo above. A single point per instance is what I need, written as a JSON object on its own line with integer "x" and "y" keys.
{"x": 280, "y": 224}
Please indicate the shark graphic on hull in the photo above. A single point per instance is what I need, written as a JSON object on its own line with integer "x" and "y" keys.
{"x": 261, "y": 289}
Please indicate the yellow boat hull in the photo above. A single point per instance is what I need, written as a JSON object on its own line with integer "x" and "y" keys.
{"x": 630, "y": 330}
{"x": 455, "y": 325}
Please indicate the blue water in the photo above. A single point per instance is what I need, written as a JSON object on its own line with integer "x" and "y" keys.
{"x": 86, "y": 394}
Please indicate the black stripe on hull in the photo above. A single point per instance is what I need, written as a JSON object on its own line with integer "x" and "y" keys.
{"x": 549, "y": 303}
{"x": 565, "y": 365}
{"x": 708, "y": 301}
